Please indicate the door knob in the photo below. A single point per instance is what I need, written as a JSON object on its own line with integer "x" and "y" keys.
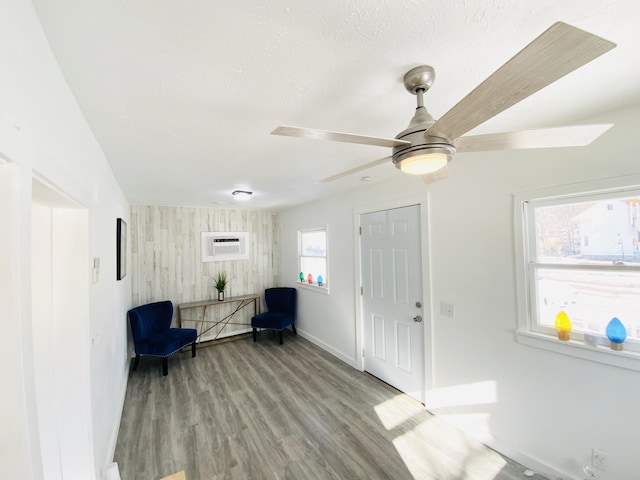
{"x": 417, "y": 318}
{"x": 418, "y": 304}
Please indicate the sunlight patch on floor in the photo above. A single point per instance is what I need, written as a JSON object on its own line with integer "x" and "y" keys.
{"x": 397, "y": 410}
{"x": 480, "y": 393}
{"x": 434, "y": 449}
{"x": 476, "y": 425}
{"x": 176, "y": 476}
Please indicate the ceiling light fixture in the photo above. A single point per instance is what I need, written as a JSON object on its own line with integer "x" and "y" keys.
{"x": 420, "y": 161}
{"x": 241, "y": 194}
{"x": 423, "y": 164}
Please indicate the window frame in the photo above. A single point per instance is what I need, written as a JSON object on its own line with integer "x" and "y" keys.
{"x": 528, "y": 331}
{"x": 314, "y": 286}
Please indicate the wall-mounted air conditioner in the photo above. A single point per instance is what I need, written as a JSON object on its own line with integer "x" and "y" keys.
{"x": 219, "y": 246}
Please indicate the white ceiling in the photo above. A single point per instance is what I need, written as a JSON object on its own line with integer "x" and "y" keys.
{"x": 182, "y": 95}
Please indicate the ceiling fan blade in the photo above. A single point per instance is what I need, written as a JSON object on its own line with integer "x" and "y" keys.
{"x": 558, "y": 51}
{"x": 357, "y": 169}
{"x": 441, "y": 174}
{"x": 337, "y": 136}
{"x": 569, "y": 136}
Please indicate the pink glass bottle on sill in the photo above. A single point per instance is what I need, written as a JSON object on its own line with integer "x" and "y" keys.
{"x": 309, "y": 279}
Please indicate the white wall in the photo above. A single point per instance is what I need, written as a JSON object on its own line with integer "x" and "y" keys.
{"x": 44, "y": 133}
{"x": 544, "y": 409}
{"x": 326, "y": 320}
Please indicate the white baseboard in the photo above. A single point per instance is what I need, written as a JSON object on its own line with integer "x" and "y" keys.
{"x": 530, "y": 462}
{"x": 112, "y": 472}
{"x": 108, "y": 468}
{"x": 328, "y": 348}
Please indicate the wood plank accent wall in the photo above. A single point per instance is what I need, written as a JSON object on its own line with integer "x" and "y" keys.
{"x": 166, "y": 259}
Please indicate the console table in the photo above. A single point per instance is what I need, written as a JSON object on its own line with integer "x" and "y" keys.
{"x": 197, "y": 312}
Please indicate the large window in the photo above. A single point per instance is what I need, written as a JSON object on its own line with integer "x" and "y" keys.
{"x": 579, "y": 253}
{"x": 312, "y": 253}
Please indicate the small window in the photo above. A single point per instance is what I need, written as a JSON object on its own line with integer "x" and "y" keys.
{"x": 312, "y": 248}
{"x": 579, "y": 253}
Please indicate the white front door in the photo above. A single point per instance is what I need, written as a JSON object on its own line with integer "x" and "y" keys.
{"x": 392, "y": 298}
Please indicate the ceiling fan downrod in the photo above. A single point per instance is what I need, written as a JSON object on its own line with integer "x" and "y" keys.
{"x": 423, "y": 148}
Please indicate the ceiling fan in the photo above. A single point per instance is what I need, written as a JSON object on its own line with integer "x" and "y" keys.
{"x": 426, "y": 146}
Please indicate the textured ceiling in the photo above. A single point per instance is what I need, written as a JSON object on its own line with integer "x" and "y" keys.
{"x": 182, "y": 95}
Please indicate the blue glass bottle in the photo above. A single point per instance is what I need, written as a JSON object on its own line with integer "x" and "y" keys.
{"x": 616, "y": 333}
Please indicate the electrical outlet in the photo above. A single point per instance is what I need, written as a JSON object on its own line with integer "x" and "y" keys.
{"x": 446, "y": 309}
{"x": 598, "y": 459}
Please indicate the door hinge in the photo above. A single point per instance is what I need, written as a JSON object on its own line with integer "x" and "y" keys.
{"x": 363, "y": 352}
{"x": 360, "y": 230}
{"x": 361, "y": 290}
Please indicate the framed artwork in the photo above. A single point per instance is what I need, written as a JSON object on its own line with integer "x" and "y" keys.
{"x": 121, "y": 249}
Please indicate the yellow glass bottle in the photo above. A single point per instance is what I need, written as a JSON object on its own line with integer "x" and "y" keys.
{"x": 563, "y": 326}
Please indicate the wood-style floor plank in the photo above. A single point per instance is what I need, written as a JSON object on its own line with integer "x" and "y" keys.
{"x": 244, "y": 410}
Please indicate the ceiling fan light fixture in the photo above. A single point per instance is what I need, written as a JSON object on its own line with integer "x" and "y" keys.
{"x": 423, "y": 159}
{"x": 424, "y": 163}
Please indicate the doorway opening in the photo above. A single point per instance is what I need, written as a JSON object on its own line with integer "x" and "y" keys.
{"x": 60, "y": 329}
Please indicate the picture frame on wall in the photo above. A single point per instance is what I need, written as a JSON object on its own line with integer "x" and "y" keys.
{"x": 121, "y": 249}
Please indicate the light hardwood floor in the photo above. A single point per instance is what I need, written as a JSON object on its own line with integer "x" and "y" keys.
{"x": 244, "y": 410}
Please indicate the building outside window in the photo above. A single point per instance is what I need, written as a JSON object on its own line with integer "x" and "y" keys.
{"x": 579, "y": 253}
{"x": 312, "y": 254}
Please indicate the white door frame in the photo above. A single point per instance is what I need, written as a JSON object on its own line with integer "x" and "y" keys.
{"x": 60, "y": 331}
{"x": 422, "y": 201}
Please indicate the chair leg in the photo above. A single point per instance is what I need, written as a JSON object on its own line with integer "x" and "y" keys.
{"x": 254, "y": 334}
{"x": 193, "y": 349}
{"x": 293, "y": 327}
{"x": 165, "y": 366}
{"x": 136, "y": 361}
{"x": 281, "y": 336}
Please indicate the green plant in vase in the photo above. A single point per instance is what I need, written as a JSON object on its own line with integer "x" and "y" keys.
{"x": 220, "y": 284}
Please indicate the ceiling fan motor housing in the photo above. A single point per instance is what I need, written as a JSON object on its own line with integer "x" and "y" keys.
{"x": 420, "y": 144}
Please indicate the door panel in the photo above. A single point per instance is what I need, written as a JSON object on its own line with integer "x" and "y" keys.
{"x": 377, "y": 271}
{"x": 403, "y": 347}
{"x": 378, "y": 338}
{"x": 401, "y": 275}
{"x": 392, "y": 284}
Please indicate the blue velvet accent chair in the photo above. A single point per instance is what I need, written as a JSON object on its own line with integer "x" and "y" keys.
{"x": 153, "y": 335}
{"x": 281, "y": 311}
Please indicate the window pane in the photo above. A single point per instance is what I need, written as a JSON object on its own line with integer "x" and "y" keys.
{"x": 314, "y": 243}
{"x": 590, "y": 298}
{"x": 594, "y": 232}
{"x": 314, "y": 266}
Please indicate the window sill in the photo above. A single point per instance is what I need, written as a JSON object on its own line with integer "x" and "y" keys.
{"x": 600, "y": 354}
{"x": 313, "y": 288}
